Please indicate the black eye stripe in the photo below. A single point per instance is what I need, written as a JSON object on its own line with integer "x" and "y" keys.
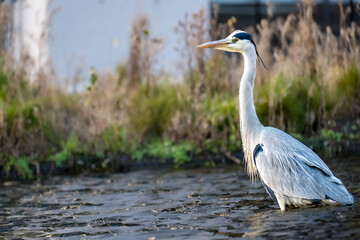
{"x": 247, "y": 36}
{"x": 243, "y": 35}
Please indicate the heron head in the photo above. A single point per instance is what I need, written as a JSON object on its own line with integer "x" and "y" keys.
{"x": 238, "y": 41}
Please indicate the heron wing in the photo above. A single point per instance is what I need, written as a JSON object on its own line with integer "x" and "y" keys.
{"x": 288, "y": 167}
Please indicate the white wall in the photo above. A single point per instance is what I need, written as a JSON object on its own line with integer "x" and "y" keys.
{"x": 82, "y": 32}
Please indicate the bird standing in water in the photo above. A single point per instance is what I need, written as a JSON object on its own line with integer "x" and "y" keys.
{"x": 292, "y": 174}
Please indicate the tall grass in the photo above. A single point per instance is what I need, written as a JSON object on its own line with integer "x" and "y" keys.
{"x": 308, "y": 71}
{"x": 311, "y": 87}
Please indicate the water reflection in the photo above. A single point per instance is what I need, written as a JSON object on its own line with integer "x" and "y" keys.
{"x": 200, "y": 203}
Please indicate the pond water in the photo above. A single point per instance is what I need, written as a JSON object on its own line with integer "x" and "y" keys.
{"x": 165, "y": 204}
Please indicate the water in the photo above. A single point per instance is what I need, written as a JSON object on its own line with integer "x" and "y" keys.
{"x": 197, "y": 204}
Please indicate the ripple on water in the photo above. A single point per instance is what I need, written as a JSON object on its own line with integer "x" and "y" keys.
{"x": 199, "y": 203}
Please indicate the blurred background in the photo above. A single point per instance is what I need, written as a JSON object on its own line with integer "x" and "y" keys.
{"x": 104, "y": 85}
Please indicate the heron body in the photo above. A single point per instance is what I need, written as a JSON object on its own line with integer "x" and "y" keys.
{"x": 292, "y": 174}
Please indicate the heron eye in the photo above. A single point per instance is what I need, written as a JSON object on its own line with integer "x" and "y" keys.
{"x": 235, "y": 40}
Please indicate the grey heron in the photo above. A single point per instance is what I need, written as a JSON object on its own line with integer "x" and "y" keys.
{"x": 291, "y": 173}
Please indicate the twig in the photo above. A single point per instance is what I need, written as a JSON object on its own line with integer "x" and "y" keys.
{"x": 232, "y": 158}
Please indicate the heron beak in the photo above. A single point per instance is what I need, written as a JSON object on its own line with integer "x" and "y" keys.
{"x": 214, "y": 44}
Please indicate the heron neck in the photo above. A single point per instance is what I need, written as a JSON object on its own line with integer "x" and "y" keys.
{"x": 249, "y": 122}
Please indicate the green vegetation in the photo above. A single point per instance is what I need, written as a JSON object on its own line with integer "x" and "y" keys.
{"x": 166, "y": 150}
{"x": 142, "y": 115}
{"x": 68, "y": 148}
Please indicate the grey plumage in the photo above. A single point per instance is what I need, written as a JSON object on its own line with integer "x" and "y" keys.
{"x": 290, "y": 169}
